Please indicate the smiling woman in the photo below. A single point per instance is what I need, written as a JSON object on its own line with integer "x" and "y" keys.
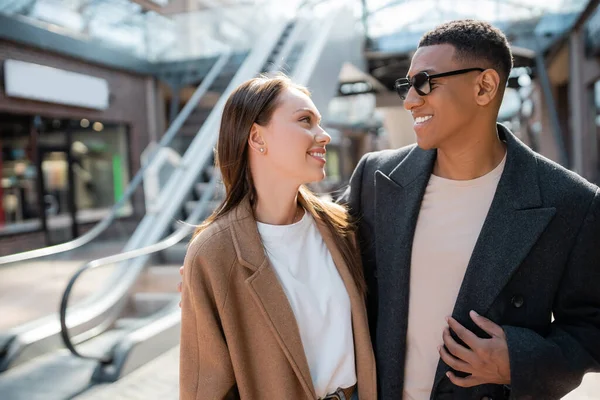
{"x": 273, "y": 292}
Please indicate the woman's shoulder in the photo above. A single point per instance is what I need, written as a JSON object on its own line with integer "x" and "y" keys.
{"x": 213, "y": 244}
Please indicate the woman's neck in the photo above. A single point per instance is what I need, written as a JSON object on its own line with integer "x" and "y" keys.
{"x": 276, "y": 204}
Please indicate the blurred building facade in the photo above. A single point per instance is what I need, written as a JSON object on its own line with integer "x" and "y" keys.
{"x": 67, "y": 157}
{"x": 574, "y": 74}
{"x": 60, "y": 159}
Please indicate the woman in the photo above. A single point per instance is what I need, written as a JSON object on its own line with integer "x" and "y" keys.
{"x": 273, "y": 292}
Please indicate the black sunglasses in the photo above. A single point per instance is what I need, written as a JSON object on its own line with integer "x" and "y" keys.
{"x": 422, "y": 81}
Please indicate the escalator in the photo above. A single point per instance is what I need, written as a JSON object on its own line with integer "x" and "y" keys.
{"x": 116, "y": 330}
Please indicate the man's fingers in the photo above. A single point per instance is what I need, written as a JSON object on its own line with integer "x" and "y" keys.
{"x": 179, "y": 286}
{"x": 466, "y": 382}
{"x": 487, "y": 325}
{"x": 463, "y": 333}
{"x": 455, "y": 363}
{"x": 457, "y": 350}
{"x": 181, "y": 270}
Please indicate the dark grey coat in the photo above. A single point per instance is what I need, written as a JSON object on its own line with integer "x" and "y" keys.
{"x": 538, "y": 255}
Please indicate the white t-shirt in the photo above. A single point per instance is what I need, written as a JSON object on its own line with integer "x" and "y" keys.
{"x": 450, "y": 219}
{"x": 319, "y": 299}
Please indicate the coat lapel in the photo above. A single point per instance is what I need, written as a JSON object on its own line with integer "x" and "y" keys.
{"x": 365, "y": 360}
{"x": 397, "y": 201}
{"x": 514, "y": 223}
{"x": 268, "y": 294}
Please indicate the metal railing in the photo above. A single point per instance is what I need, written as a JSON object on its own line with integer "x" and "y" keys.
{"x": 169, "y": 241}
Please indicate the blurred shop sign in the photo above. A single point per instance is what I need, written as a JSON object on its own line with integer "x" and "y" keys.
{"x": 592, "y": 34}
{"x": 353, "y": 88}
{"x": 39, "y": 82}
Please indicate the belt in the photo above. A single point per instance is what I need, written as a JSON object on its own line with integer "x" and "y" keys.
{"x": 341, "y": 394}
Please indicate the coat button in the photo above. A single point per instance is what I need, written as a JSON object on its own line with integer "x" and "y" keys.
{"x": 517, "y": 301}
{"x": 486, "y": 398}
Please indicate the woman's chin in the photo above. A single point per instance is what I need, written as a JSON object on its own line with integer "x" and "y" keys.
{"x": 316, "y": 178}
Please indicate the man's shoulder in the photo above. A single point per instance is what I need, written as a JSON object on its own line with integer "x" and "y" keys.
{"x": 553, "y": 177}
{"x": 386, "y": 160}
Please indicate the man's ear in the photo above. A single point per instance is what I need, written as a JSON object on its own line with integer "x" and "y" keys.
{"x": 488, "y": 87}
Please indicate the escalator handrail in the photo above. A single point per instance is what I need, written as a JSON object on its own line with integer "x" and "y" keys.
{"x": 169, "y": 135}
{"x": 169, "y": 241}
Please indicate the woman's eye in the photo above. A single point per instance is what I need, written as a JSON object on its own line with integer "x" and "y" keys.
{"x": 305, "y": 119}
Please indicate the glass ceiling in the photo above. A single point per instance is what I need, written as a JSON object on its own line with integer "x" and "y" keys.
{"x": 417, "y": 16}
{"x": 165, "y": 30}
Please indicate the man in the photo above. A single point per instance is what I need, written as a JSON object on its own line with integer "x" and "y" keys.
{"x": 472, "y": 243}
{"x": 471, "y": 223}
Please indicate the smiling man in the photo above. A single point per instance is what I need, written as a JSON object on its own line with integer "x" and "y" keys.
{"x": 471, "y": 242}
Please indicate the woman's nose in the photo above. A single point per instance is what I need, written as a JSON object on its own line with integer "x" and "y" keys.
{"x": 322, "y": 137}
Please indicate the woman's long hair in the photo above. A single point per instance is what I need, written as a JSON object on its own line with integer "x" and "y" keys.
{"x": 254, "y": 101}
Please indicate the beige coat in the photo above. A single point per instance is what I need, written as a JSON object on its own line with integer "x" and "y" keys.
{"x": 239, "y": 333}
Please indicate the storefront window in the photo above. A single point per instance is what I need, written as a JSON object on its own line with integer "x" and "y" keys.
{"x": 18, "y": 188}
{"x": 100, "y": 166}
{"x": 82, "y": 162}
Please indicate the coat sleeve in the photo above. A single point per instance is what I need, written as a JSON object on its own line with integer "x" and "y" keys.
{"x": 548, "y": 367}
{"x": 205, "y": 371}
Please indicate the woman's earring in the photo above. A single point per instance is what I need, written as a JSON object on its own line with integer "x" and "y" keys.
{"x": 262, "y": 150}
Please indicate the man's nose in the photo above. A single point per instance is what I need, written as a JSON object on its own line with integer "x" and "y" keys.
{"x": 413, "y": 99}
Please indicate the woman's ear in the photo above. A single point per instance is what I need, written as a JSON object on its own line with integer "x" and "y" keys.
{"x": 256, "y": 140}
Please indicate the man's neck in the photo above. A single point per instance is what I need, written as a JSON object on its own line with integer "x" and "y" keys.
{"x": 466, "y": 160}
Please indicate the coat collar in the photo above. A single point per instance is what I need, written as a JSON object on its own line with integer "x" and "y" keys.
{"x": 519, "y": 178}
{"x": 248, "y": 246}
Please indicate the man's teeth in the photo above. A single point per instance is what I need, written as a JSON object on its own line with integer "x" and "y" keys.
{"x": 420, "y": 120}
{"x": 320, "y": 155}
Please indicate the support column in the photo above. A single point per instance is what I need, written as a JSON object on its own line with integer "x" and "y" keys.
{"x": 578, "y": 104}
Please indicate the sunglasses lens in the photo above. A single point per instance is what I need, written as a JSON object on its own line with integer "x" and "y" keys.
{"x": 421, "y": 83}
{"x": 402, "y": 86}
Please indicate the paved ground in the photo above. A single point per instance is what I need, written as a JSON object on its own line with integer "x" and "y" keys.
{"x": 21, "y": 301}
{"x": 159, "y": 380}
{"x": 156, "y": 380}
{"x": 34, "y": 289}
{"x": 30, "y": 291}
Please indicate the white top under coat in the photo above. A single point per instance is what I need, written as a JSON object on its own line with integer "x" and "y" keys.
{"x": 318, "y": 298}
{"x": 450, "y": 219}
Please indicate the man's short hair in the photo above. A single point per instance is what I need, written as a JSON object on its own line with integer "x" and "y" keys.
{"x": 474, "y": 41}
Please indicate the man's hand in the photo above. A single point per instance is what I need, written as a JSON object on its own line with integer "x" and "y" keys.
{"x": 486, "y": 360}
{"x": 180, "y": 284}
